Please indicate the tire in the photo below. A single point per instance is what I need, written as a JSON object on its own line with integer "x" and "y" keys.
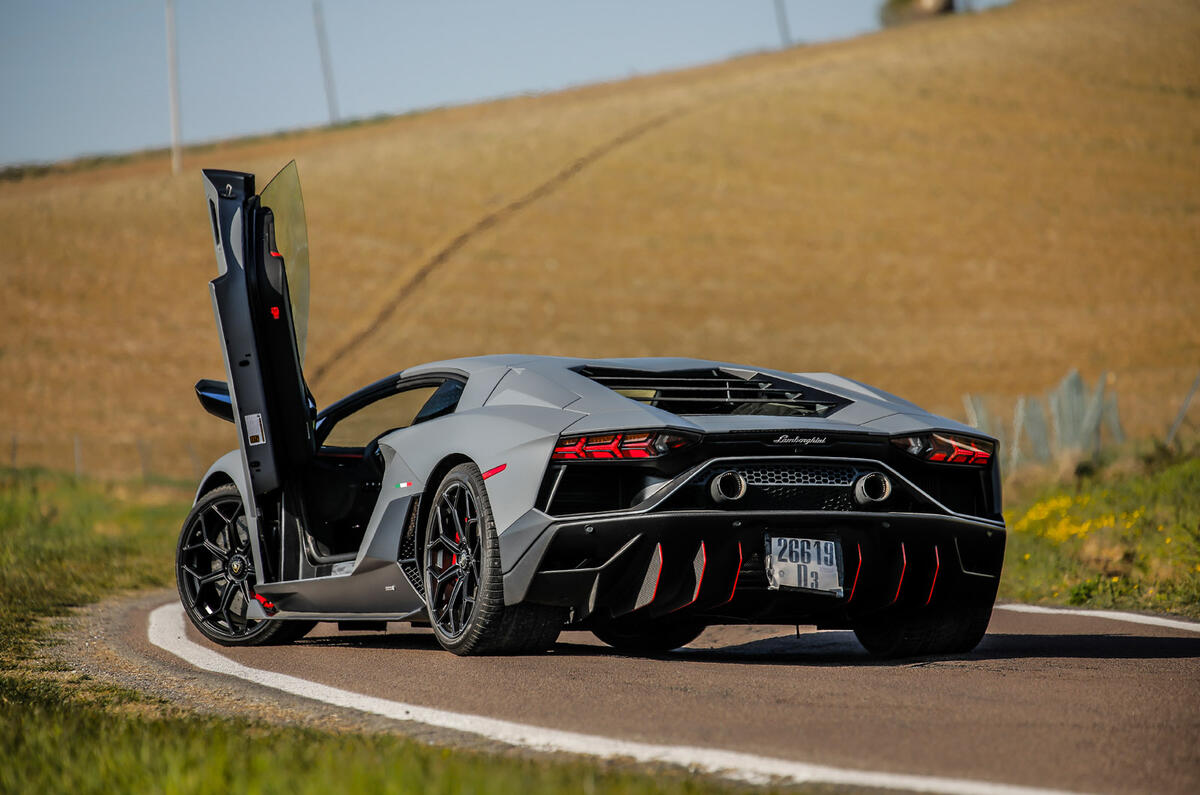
{"x": 947, "y": 632}
{"x": 214, "y": 572}
{"x": 648, "y": 637}
{"x": 464, "y": 585}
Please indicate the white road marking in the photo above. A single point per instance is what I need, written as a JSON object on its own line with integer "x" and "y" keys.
{"x": 1112, "y": 615}
{"x": 166, "y": 630}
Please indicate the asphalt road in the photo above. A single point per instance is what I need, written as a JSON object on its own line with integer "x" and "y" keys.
{"x": 1071, "y": 702}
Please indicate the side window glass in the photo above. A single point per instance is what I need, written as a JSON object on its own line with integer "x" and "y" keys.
{"x": 394, "y": 411}
{"x": 442, "y": 402}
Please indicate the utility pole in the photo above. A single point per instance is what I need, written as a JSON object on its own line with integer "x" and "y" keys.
{"x": 781, "y": 20}
{"x": 173, "y": 88}
{"x": 326, "y": 66}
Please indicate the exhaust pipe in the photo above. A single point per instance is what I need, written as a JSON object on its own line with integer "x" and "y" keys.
{"x": 872, "y": 487}
{"x": 729, "y": 486}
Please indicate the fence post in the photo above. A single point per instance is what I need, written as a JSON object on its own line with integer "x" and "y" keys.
{"x": 78, "y": 458}
{"x": 1035, "y": 428}
{"x": 1014, "y": 456}
{"x": 977, "y": 413}
{"x": 1089, "y": 426}
{"x": 969, "y": 407}
{"x": 1170, "y": 434}
{"x": 197, "y": 468}
{"x": 14, "y": 451}
{"x": 1112, "y": 417}
{"x": 1054, "y": 401}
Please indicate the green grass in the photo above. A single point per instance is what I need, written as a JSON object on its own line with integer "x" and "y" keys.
{"x": 1111, "y": 540}
{"x": 65, "y": 543}
{"x": 52, "y": 747}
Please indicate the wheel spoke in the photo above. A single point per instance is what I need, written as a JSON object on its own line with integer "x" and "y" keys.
{"x": 442, "y": 610}
{"x": 226, "y": 519}
{"x": 447, "y": 543}
{"x": 204, "y": 579}
{"x": 458, "y": 526}
{"x": 445, "y": 574}
{"x": 245, "y": 608}
{"x": 463, "y": 602}
{"x": 216, "y": 551}
{"x": 226, "y": 600}
{"x": 454, "y": 594}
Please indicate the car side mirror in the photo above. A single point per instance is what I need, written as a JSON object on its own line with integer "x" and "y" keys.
{"x": 214, "y": 397}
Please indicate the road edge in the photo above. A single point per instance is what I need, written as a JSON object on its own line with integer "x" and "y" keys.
{"x": 166, "y": 630}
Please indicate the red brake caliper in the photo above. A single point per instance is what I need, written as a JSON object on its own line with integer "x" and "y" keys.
{"x": 267, "y": 605}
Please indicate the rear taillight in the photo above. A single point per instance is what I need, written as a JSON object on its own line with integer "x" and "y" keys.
{"x": 947, "y": 448}
{"x": 641, "y": 444}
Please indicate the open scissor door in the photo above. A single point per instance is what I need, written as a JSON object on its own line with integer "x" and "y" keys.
{"x": 260, "y": 298}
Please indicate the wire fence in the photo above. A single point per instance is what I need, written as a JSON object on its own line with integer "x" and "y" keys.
{"x": 106, "y": 457}
{"x": 1071, "y": 422}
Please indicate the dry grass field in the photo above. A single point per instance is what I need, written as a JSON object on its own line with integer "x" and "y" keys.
{"x": 972, "y": 204}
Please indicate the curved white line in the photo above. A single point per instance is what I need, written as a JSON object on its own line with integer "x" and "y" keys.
{"x": 1111, "y": 615}
{"x": 166, "y": 630}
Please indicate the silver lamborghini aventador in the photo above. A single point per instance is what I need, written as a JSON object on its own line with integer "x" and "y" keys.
{"x": 501, "y": 499}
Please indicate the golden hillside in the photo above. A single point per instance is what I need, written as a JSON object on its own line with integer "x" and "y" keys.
{"x": 972, "y": 204}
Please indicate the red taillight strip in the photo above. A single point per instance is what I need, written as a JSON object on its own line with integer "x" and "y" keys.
{"x": 493, "y": 471}
{"x": 937, "y": 565}
{"x": 572, "y": 449}
{"x": 737, "y": 573}
{"x": 857, "y": 571}
{"x": 962, "y": 451}
{"x": 903, "y": 568}
{"x": 610, "y": 446}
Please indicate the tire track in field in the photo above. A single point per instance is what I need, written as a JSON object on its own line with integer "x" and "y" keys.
{"x": 486, "y": 222}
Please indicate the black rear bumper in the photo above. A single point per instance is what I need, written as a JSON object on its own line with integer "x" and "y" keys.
{"x": 709, "y": 565}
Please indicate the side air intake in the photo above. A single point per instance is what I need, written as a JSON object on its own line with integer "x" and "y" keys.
{"x": 716, "y": 391}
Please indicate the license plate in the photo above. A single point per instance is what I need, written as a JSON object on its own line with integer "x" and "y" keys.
{"x": 813, "y": 564}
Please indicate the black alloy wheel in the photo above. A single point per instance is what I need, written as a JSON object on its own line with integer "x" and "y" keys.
{"x": 453, "y": 558}
{"x": 464, "y": 587}
{"x": 214, "y": 569}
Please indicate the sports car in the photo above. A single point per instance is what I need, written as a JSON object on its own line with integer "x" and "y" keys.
{"x": 501, "y": 499}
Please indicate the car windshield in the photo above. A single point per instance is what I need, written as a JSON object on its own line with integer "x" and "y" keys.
{"x": 282, "y": 195}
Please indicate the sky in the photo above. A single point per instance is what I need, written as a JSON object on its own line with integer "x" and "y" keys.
{"x": 81, "y": 77}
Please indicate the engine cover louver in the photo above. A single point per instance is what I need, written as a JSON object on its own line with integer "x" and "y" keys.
{"x": 716, "y": 391}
